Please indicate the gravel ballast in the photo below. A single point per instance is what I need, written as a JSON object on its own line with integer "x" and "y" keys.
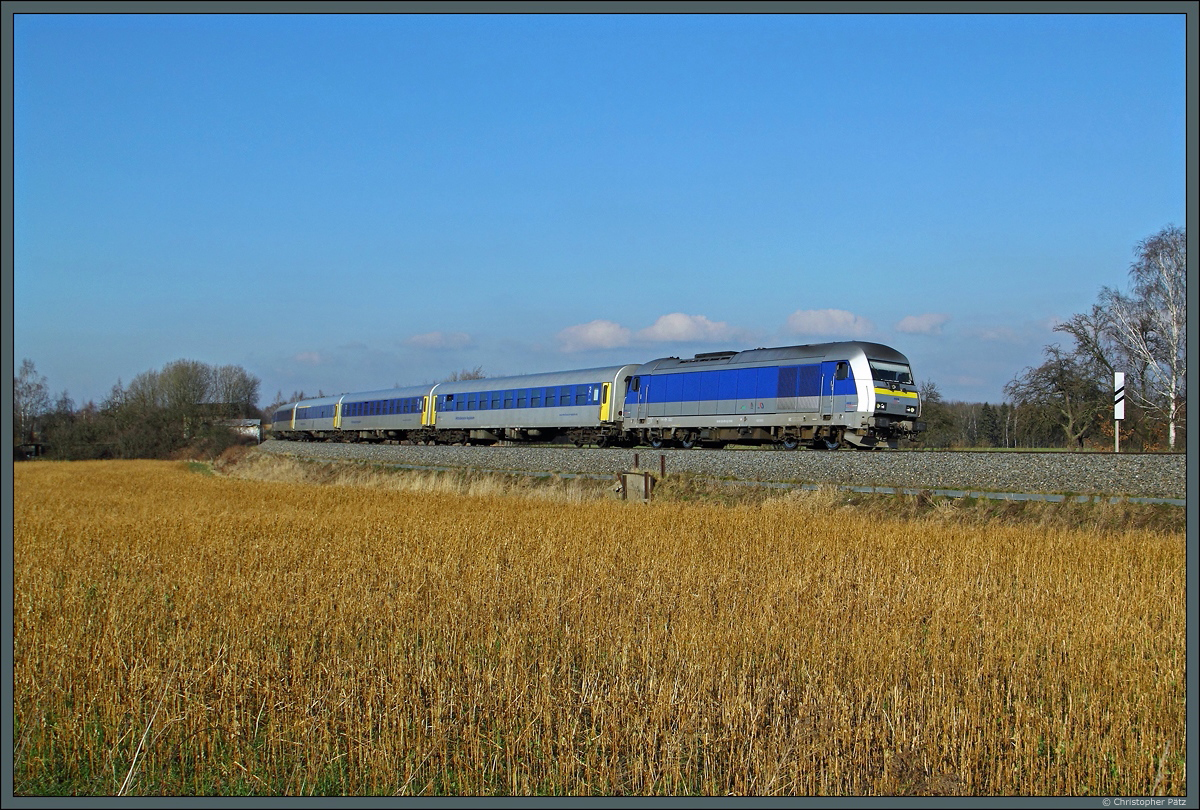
{"x": 1134, "y": 475}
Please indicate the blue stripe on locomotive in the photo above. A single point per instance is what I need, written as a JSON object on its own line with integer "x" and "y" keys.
{"x": 768, "y": 382}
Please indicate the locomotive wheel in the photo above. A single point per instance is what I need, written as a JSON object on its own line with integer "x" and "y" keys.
{"x": 657, "y": 443}
{"x": 602, "y": 441}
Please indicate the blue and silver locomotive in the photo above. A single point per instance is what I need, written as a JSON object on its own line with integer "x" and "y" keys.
{"x": 822, "y": 395}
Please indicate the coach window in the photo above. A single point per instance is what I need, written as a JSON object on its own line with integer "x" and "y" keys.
{"x": 522, "y": 397}
{"x": 535, "y": 398}
{"x": 508, "y": 398}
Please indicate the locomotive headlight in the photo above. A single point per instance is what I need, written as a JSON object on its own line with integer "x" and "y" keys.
{"x": 881, "y": 406}
{"x": 910, "y": 408}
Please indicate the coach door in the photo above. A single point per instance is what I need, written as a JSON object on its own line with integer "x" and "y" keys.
{"x": 429, "y": 408}
{"x": 606, "y": 402}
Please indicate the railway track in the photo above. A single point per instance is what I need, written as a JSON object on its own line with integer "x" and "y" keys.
{"x": 1157, "y": 477}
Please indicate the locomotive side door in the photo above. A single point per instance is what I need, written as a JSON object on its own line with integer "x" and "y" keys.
{"x": 827, "y": 376}
{"x": 635, "y": 396}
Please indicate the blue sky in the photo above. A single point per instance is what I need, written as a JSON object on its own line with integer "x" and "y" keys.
{"x": 343, "y": 203}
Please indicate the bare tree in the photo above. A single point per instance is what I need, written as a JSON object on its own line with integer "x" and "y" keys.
{"x": 1150, "y": 324}
{"x": 1094, "y": 343}
{"x": 186, "y": 384}
{"x": 31, "y": 400}
{"x": 234, "y": 387}
{"x": 145, "y": 391}
{"x": 466, "y": 374}
{"x": 1067, "y": 387}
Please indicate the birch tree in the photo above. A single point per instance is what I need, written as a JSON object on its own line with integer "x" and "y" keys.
{"x": 1150, "y": 324}
{"x": 31, "y": 400}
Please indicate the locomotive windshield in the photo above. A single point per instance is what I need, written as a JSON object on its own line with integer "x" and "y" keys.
{"x": 883, "y": 371}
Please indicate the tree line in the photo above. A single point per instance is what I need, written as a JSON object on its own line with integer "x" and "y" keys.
{"x": 1067, "y": 401}
{"x": 161, "y": 412}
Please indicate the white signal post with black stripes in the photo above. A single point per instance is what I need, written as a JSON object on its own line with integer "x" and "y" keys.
{"x": 1118, "y": 407}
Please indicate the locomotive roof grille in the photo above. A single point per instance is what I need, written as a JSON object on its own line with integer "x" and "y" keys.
{"x": 705, "y": 356}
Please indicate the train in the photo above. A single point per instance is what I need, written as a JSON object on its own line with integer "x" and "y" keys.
{"x": 851, "y": 394}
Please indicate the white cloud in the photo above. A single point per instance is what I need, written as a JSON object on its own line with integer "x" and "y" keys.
{"x": 598, "y": 334}
{"x": 928, "y": 324}
{"x": 440, "y": 340}
{"x": 678, "y": 327}
{"x": 831, "y": 322}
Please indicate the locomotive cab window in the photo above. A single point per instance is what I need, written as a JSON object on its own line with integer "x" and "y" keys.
{"x": 843, "y": 371}
{"x": 883, "y": 371}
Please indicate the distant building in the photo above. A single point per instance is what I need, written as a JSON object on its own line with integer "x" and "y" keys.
{"x": 251, "y": 428}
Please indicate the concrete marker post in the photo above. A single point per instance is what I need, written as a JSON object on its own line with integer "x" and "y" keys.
{"x": 1118, "y": 408}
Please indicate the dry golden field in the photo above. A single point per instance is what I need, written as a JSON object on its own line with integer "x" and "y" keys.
{"x": 257, "y": 632}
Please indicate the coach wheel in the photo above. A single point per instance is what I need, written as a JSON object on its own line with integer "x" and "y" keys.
{"x": 688, "y": 442}
{"x": 831, "y": 445}
{"x": 657, "y": 443}
{"x": 790, "y": 443}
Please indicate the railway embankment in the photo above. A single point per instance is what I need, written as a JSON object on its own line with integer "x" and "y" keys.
{"x": 1127, "y": 474}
